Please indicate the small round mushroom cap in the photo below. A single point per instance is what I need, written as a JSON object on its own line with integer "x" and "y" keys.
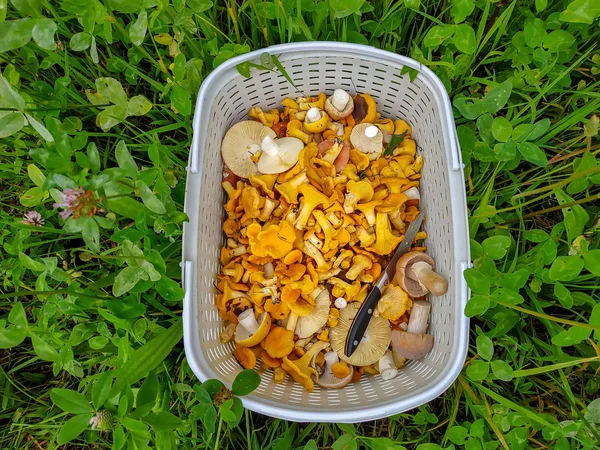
{"x": 327, "y": 379}
{"x": 411, "y": 345}
{"x": 373, "y": 345}
{"x": 308, "y": 325}
{"x": 367, "y": 138}
{"x": 245, "y": 339}
{"x": 339, "y": 105}
{"x": 240, "y": 143}
{"x": 406, "y": 278}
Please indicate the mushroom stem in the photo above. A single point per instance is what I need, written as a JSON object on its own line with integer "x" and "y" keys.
{"x": 340, "y": 99}
{"x": 291, "y": 322}
{"x": 269, "y": 146}
{"x": 248, "y": 321}
{"x": 313, "y": 114}
{"x": 419, "y": 317}
{"x": 268, "y": 271}
{"x": 238, "y": 250}
{"x": 387, "y": 368}
{"x": 434, "y": 282}
{"x": 303, "y": 341}
{"x": 412, "y": 194}
{"x": 337, "y": 127}
{"x": 370, "y": 131}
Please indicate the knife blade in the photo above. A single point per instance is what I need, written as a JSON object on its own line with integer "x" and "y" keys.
{"x": 365, "y": 312}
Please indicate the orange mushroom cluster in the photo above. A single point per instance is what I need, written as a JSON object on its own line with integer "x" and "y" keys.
{"x": 311, "y": 236}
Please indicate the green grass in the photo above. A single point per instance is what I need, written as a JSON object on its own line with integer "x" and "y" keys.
{"x": 523, "y": 78}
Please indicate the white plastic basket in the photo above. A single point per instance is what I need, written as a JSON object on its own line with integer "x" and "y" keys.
{"x": 224, "y": 99}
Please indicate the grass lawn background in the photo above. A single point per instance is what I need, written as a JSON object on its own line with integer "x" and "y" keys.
{"x": 99, "y": 94}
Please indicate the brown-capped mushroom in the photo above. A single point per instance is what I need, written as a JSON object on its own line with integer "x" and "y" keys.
{"x": 249, "y": 332}
{"x": 327, "y": 379}
{"x": 373, "y": 345}
{"x": 240, "y": 143}
{"x": 339, "y": 105}
{"x": 415, "y": 274}
{"x": 414, "y": 343}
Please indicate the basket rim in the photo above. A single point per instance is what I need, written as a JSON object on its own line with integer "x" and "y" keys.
{"x": 461, "y": 328}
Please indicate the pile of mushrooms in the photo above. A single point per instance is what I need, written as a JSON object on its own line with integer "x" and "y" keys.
{"x": 315, "y": 207}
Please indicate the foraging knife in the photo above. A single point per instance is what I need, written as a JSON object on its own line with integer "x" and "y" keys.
{"x": 363, "y": 316}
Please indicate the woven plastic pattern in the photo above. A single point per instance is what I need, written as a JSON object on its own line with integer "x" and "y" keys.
{"x": 225, "y": 99}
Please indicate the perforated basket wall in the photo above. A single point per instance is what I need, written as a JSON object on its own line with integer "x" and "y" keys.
{"x": 224, "y": 99}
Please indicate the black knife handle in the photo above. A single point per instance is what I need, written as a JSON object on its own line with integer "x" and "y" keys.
{"x": 361, "y": 321}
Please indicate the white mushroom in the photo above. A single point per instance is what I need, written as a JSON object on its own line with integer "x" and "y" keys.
{"x": 327, "y": 379}
{"x": 368, "y": 139}
{"x": 313, "y": 115}
{"x": 387, "y": 368}
{"x": 240, "y": 143}
{"x": 340, "y": 303}
{"x": 339, "y": 105}
{"x": 247, "y": 320}
{"x": 308, "y": 325}
{"x": 278, "y": 155}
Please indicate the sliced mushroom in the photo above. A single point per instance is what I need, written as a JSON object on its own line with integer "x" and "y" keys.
{"x": 339, "y": 105}
{"x": 368, "y": 139}
{"x": 279, "y": 155}
{"x": 415, "y": 274}
{"x": 328, "y": 379}
{"x": 308, "y": 325}
{"x": 373, "y": 345}
{"x": 249, "y": 332}
{"x": 387, "y": 368}
{"x": 414, "y": 343}
{"x": 240, "y": 143}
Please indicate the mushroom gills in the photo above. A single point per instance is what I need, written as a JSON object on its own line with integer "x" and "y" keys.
{"x": 423, "y": 273}
{"x": 373, "y": 345}
{"x": 240, "y": 144}
{"x": 279, "y": 155}
{"x": 308, "y": 325}
{"x": 419, "y": 279}
{"x": 328, "y": 379}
